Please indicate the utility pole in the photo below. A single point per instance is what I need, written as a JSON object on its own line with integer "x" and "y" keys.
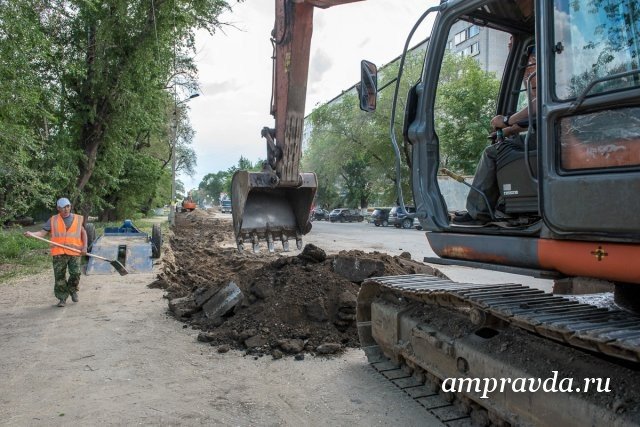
{"x": 174, "y": 125}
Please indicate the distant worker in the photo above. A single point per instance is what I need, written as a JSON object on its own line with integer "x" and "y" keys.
{"x": 67, "y": 229}
{"x": 485, "y": 178}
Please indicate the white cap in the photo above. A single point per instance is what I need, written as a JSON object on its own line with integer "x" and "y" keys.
{"x": 63, "y": 202}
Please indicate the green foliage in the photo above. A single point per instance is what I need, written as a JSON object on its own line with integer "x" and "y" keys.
{"x": 220, "y": 182}
{"x": 465, "y": 104}
{"x": 351, "y": 151}
{"x": 21, "y": 255}
{"x": 213, "y": 184}
{"x": 91, "y": 90}
{"x": 26, "y": 99}
{"x": 13, "y": 245}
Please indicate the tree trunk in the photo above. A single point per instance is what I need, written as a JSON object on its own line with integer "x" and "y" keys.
{"x": 92, "y": 136}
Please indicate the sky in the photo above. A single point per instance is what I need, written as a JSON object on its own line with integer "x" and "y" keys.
{"x": 235, "y": 70}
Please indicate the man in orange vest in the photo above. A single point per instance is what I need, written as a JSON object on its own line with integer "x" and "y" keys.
{"x": 67, "y": 229}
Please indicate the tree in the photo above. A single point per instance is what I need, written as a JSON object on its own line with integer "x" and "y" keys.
{"x": 338, "y": 151}
{"x": 358, "y": 189}
{"x": 220, "y": 182}
{"x": 85, "y": 96}
{"x": 351, "y": 152}
{"x": 27, "y": 100}
{"x": 213, "y": 184}
{"x": 344, "y": 139}
{"x": 465, "y": 104}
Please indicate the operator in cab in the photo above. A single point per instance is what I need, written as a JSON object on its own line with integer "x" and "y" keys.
{"x": 506, "y": 131}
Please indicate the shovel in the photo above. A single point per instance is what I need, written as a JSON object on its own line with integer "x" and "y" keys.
{"x": 115, "y": 263}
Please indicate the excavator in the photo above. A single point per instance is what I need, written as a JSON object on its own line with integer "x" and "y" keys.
{"x": 275, "y": 204}
{"x": 500, "y": 354}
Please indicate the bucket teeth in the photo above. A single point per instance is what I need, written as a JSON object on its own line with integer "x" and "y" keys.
{"x": 270, "y": 239}
{"x": 256, "y": 243}
{"x": 270, "y": 209}
{"x": 270, "y": 243}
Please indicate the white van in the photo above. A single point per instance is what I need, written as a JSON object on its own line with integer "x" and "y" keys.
{"x": 225, "y": 206}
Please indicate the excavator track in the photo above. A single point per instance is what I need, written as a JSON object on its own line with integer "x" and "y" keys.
{"x": 449, "y": 411}
{"x": 615, "y": 333}
{"x": 418, "y": 330}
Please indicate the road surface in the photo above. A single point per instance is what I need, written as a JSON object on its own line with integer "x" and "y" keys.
{"x": 117, "y": 358}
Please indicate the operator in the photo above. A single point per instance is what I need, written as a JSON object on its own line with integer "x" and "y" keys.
{"x": 67, "y": 229}
{"x": 485, "y": 179}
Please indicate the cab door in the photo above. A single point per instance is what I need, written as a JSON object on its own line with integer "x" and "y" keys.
{"x": 589, "y": 126}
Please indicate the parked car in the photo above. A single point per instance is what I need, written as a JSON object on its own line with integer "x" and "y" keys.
{"x": 345, "y": 215}
{"x": 225, "y": 206}
{"x": 416, "y": 224}
{"x": 320, "y": 215}
{"x": 400, "y": 218}
{"x": 380, "y": 217}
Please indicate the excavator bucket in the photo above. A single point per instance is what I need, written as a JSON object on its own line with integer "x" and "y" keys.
{"x": 264, "y": 211}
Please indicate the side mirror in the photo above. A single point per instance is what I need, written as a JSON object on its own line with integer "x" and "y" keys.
{"x": 368, "y": 87}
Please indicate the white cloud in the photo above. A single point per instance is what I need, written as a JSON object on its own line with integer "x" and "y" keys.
{"x": 320, "y": 64}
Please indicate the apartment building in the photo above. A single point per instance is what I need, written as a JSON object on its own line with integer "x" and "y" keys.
{"x": 489, "y": 47}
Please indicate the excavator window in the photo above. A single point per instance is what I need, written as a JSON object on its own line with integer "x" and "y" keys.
{"x": 596, "y": 52}
{"x": 593, "y": 43}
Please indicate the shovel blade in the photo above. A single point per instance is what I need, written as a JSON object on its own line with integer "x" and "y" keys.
{"x": 119, "y": 267}
{"x": 263, "y": 211}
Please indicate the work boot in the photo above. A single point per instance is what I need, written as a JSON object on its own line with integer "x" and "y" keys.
{"x": 74, "y": 296}
{"x": 62, "y": 303}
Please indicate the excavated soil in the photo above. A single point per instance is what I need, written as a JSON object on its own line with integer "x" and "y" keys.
{"x": 305, "y": 305}
{"x": 293, "y": 305}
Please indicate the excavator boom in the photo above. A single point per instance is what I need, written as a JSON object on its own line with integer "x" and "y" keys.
{"x": 275, "y": 204}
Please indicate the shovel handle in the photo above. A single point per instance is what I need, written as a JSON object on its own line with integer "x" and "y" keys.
{"x": 67, "y": 247}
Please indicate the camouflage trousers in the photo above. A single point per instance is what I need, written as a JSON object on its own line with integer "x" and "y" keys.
{"x": 63, "y": 286}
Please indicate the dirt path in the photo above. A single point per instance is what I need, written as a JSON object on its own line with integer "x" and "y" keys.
{"x": 118, "y": 358}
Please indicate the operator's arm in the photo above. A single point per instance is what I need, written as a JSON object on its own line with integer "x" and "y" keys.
{"x": 500, "y": 122}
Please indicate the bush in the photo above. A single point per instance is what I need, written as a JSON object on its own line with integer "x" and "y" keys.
{"x": 14, "y": 246}
{"x": 21, "y": 255}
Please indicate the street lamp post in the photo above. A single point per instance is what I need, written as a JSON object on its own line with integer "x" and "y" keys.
{"x": 173, "y": 154}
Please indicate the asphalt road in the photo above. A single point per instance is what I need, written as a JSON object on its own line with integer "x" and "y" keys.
{"x": 335, "y": 237}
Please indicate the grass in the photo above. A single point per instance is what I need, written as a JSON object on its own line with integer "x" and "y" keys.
{"x": 23, "y": 256}
{"x": 145, "y": 225}
{"x": 20, "y": 255}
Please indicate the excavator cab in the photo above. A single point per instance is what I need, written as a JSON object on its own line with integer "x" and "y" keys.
{"x": 564, "y": 192}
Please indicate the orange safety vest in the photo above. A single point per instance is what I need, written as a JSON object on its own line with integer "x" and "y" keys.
{"x": 71, "y": 237}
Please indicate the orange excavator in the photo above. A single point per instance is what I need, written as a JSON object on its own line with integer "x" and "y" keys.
{"x": 498, "y": 354}
{"x": 274, "y": 205}
{"x": 567, "y": 208}
{"x": 188, "y": 204}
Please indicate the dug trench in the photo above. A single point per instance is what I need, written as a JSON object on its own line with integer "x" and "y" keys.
{"x": 266, "y": 304}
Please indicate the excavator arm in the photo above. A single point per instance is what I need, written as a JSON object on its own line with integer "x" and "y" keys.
{"x": 274, "y": 205}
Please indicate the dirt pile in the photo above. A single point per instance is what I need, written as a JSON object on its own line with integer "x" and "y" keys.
{"x": 288, "y": 304}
